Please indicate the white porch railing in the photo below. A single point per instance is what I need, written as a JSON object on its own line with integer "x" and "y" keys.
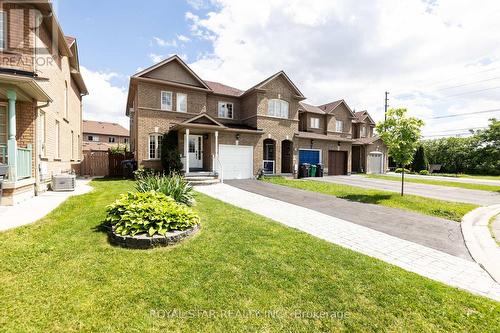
{"x": 23, "y": 167}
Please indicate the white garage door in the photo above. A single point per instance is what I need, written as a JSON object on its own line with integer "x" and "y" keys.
{"x": 375, "y": 162}
{"x": 237, "y": 161}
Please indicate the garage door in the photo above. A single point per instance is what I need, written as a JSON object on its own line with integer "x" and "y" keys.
{"x": 337, "y": 162}
{"x": 309, "y": 156}
{"x": 375, "y": 162}
{"x": 237, "y": 161}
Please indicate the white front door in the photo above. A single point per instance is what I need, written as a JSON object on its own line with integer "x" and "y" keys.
{"x": 195, "y": 152}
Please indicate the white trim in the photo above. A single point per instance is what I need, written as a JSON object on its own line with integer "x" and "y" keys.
{"x": 177, "y": 103}
{"x": 166, "y": 107}
{"x": 281, "y": 103}
{"x": 313, "y": 149}
{"x": 315, "y": 119}
{"x": 218, "y": 109}
{"x": 157, "y": 147}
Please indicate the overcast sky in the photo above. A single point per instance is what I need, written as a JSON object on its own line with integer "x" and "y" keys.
{"x": 436, "y": 58}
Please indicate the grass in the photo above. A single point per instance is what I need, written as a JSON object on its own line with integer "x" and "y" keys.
{"x": 61, "y": 275}
{"x": 445, "y": 209}
{"x": 490, "y": 226}
{"x": 469, "y": 186}
{"x": 463, "y": 175}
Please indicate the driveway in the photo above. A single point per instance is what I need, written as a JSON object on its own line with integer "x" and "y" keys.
{"x": 483, "y": 198}
{"x": 433, "y": 232}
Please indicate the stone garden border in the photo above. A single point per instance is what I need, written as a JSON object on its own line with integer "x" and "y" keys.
{"x": 143, "y": 241}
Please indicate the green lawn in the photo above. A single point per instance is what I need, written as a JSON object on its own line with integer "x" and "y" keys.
{"x": 61, "y": 275}
{"x": 431, "y": 181}
{"x": 463, "y": 175}
{"x": 449, "y": 210}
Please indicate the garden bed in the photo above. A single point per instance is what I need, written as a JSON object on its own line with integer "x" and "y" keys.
{"x": 144, "y": 241}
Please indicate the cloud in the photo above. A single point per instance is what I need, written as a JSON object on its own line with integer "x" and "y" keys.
{"x": 183, "y": 38}
{"x": 198, "y": 4}
{"x": 105, "y": 102}
{"x": 155, "y": 57}
{"x": 357, "y": 51}
{"x": 165, "y": 43}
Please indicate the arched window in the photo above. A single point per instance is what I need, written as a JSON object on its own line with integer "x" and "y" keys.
{"x": 277, "y": 108}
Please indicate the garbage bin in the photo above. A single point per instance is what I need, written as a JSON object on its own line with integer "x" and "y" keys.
{"x": 304, "y": 170}
{"x": 312, "y": 170}
{"x": 128, "y": 168}
{"x": 319, "y": 170}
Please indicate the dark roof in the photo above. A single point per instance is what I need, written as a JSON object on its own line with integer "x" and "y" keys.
{"x": 223, "y": 89}
{"x": 317, "y": 136}
{"x": 310, "y": 108}
{"x": 240, "y": 126}
{"x": 101, "y": 127}
{"x": 330, "y": 106}
{"x": 361, "y": 116}
{"x": 366, "y": 141}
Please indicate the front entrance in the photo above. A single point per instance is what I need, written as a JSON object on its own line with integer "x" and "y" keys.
{"x": 195, "y": 151}
{"x": 337, "y": 163}
{"x": 286, "y": 156}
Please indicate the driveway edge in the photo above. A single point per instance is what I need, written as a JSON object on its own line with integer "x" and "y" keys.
{"x": 481, "y": 245}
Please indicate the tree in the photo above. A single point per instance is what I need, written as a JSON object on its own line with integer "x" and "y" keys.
{"x": 487, "y": 155}
{"x": 170, "y": 158}
{"x": 401, "y": 134}
{"x": 420, "y": 160}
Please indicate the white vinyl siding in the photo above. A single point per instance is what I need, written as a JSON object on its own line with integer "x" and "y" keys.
{"x": 314, "y": 122}
{"x": 225, "y": 110}
{"x": 277, "y": 108}
{"x": 166, "y": 100}
{"x": 339, "y": 126}
{"x": 181, "y": 102}
{"x": 154, "y": 146}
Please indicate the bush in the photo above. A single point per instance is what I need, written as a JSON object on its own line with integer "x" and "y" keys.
{"x": 170, "y": 158}
{"x": 420, "y": 160}
{"x": 424, "y": 172}
{"x": 149, "y": 212}
{"x": 145, "y": 172}
{"x": 174, "y": 186}
{"x": 400, "y": 170}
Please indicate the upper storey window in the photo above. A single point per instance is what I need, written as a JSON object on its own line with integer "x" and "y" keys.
{"x": 3, "y": 30}
{"x": 181, "y": 102}
{"x": 277, "y": 108}
{"x": 339, "y": 126}
{"x": 363, "y": 132}
{"x": 314, "y": 122}
{"x": 225, "y": 110}
{"x": 166, "y": 100}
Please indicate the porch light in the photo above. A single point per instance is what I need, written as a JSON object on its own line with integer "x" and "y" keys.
{"x": 237, "y": 136}
{"x": 312, "y": 143}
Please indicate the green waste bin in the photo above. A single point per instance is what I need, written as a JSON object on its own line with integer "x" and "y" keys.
{"x": 312, "y": 170}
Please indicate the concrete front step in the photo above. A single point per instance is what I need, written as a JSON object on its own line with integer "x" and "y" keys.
{"x": 199, "y": 178}
{"x": 204, "y": 182}
{"x": 200, "y": 174}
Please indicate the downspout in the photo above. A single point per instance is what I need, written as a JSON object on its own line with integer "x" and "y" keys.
{"x": 37, "y": 149}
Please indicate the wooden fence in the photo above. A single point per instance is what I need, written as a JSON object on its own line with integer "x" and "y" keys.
{"x": 103, "y": 163}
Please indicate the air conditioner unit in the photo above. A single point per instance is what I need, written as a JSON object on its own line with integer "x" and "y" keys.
{"x": 63, "y": 182}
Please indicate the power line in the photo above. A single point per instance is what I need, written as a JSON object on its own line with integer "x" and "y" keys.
{"x": 472, "y": 92}
{"x": 443, "y": 135}
{"x": 469, "y": 83}
{"x": 459, "y": 76}
{"x": 460, "y": 129}
{"x": 464, "y": 114}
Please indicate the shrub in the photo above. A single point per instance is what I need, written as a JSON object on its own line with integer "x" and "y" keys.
{"x": 174, "y": 186}
{"x": 170, "y": 158}
{"x": 424, "y": 172}
{"x": 420, "y": 160}
{"x": 149, "y": 212}
{"x": 400, "y": 170}
{"x": 145, "y": 172}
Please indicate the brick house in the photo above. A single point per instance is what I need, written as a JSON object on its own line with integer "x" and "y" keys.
{"x": 41, "y": 91}
{"x": 101, "y": 136}
{"x": 237, "y": 133}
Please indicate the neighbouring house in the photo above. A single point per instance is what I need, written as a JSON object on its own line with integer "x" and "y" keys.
{"x": 101, "y": 136}
{"x": 41, "y": 91}
{"x": 239, "y": 133}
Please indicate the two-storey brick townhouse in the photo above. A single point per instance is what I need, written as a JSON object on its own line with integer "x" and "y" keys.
{"x": 237, "y": 133}
{"x": 41, "y": 91}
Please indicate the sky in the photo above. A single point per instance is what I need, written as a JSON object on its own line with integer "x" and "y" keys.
{"x": 437, "y": 58}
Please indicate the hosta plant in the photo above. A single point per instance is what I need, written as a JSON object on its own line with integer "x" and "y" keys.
{"x": 173, "y": 185}
{"x": 149, "y": 212}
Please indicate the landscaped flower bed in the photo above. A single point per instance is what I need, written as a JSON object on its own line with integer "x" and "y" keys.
{"x": 143, "y": 220}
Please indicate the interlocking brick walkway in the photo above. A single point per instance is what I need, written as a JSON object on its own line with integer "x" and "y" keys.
{"x": 434, "y": 264}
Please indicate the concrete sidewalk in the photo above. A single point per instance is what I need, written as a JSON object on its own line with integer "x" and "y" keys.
{"x": 437, "y": 265}
{"x": 36, "y": 208}
{"x": 454, "y": 194}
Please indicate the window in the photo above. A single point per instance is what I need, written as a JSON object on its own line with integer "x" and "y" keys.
{"x": 314, "y": 122}
{"x": 154, "y": 146}
{"x": 277, "y": 108}
{"x": 225, "y": 110}
{"x": 363, "y": 132}
{"x": 3, "y": 30}
{"x": 3, "y": 134}
{"x": 125, "y": 140}
{"x": 339, "y": 126}
{"x": 93, "y": 138}
{"x": 166, "y": 100}
{"x": 58, "y": 138}
{"x": 111, "y": 139}
{"x": 181, "y": 102}
{"x": 66, "y": 99}
{"x": 42, "y": 134}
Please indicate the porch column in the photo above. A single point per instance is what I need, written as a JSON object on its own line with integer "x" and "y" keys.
{"x": 186, "y": 151}
{"x": 11, "y": 143}
{"x": 216, "y": 151}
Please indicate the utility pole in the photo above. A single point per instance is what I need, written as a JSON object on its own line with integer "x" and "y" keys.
{"x": 386, "y": 105}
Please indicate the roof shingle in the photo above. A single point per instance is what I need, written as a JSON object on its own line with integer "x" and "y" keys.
{"x": 101, "y": 127}
{"x": 223, "y": 89}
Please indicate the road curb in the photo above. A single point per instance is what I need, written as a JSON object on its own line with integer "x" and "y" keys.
{"x": 479, "y": 241}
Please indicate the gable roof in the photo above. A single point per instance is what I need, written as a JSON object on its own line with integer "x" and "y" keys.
{"x": 202, "y": 118}
{"x": 310, "y": 108}
{"x": 272, "y": 77}
{"x": 104, "y": 128}
{"x": 176, "y": 58}
{"x": 362, "y": 116}
{"x": 222, "y": 89}
{"x": 332, "y": 106}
